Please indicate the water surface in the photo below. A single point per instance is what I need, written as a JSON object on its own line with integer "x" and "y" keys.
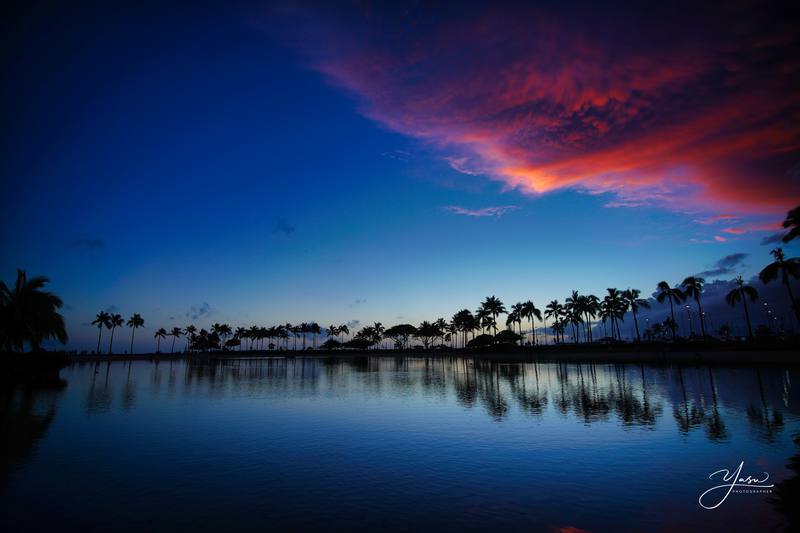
{"x": 395, "y": 444}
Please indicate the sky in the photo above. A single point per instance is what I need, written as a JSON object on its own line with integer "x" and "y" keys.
{"x": 263, "y": 163}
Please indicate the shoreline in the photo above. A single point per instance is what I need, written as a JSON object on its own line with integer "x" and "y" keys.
{"x": 552, "y": 354}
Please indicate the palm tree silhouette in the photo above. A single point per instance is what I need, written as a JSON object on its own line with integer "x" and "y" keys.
{"x": 786, "y": 269}
{"x": 161, "y": 333}
{"x": 495, "y": 307}
{"x": 792, "y": 221}
{"x": 631, "y": 296}
{"x": 175, "y": 333}
{"x": 240, "y": 333}
{"x": 29, "y": 314}
{"x": 674, "y": 295}
{"x": 554, "y": 311}
{"x": 102, "y": 320}
{"x": 741, "y": 293}
{"x": 136, "y": 321}
{"x": 115, "y": 321}
{"x": 343, "y": 330}
{"x": 514, "y": 317}
{"x": 693, "y": 288}
{"x": 531, "y": 312}
{"x": 189, "y": 332}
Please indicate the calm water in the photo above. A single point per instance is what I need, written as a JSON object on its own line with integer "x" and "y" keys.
{"x": 395, "y": 444}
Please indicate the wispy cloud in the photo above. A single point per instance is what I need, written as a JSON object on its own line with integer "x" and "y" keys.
{"x": 716, "y": 218}
{"x": 198, "y": 311}
{"x": 492, "y": 211}
{"x": 775, "y": 238}
{"x": 724, "y": 266}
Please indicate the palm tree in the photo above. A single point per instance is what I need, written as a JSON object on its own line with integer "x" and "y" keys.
{"x": 591, "y": 306}
{"x": 741, "y": 293}
{"x": 161, "y": 333}
{"x": 616, "y": 308}
{"x": 573, "y": 307}
{"x": 786, "y": 269}
{"x": 531, "y": 312}
{"x": 514, "y": 317}
{"x": 136, "y": 321}
{"x": 189, "y": 332}
{"x": 315, "y": 330}
{"x": 792, "y": 221}
{"x": 28, "y": 314}
{"x": 631, "y": 297}
{"x": 553, "y": 310}
{"x": 240, "y": 333}
{"x": 115, "y": 320}
{"x": 101, "y": 320}
{"x": 343, "y": 330}
{"x": 693, "y": 288}
{"x": 674, "y": 295}
{"x": 175, "y": 333}
{"x": 495, "y": 307}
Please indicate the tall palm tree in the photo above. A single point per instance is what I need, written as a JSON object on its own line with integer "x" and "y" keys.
{"x": 175, "y": 333}
{"x": 631, "y": 296}
{"x": 136, "y": 321}
{"x": 482, "y": 315}
{"x": 102, "y": 320}
{"x": 792, "y": 221}
{"x": 189, "y": 332}
{"x": 591, "y": 306}
{"x": 675, "y": 296}
{"x": 740, "y": 294}
{"x": 617, "y": 306}
{"x": 495, "y": 307}
{"x": 161, "y": 333}
{"x": 29, "y": 314}
{"x": 553, "y": 311}
{"x": 240, "y": 333}
{"x": 785, "y": 268}
{"x": 531, "y": 312}
{"x": 115, "y": 321}
{"x": 514, "y": 317}
{"x": 693, "y": 288}
{"x": 343, "y": 330}
{"x": 315, "y": 330}
{"x": 573, "y": 306}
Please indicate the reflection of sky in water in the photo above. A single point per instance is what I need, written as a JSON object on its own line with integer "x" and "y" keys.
{"x": 400, "y": 443}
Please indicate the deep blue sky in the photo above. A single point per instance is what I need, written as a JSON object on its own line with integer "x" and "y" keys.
{"x": 196, "y": 165}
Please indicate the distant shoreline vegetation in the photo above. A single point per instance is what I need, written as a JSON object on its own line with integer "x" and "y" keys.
{"x": 30, "y": 316}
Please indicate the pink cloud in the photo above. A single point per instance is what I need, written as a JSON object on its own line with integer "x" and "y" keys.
{"x": 543, "y": 101}
{"x": 719, "y": 238}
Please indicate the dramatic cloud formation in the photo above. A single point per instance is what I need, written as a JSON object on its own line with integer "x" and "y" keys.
{"x": 681, "y": 106}
{"x": 724, "y": 266}
{"x": 494, "y": 211}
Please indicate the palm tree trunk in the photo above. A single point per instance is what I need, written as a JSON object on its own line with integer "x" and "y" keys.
{"x": 172, "y": 350}
{"x": 158, "y": 344}
{"x": 636, "y": 323}
{"x": 747, "y": 316}
{"x": 133, "y": 332}
{"x": 672, "y": 313}
{"x": 702, "y": 319}
{"x": 111, "y": 344}
{"x": 99, "y": 334}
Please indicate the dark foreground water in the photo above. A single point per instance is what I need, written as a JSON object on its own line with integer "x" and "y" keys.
{"x": 398, "y": 444}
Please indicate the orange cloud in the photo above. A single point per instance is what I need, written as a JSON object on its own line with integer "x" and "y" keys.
{"x": 543, "y": 100}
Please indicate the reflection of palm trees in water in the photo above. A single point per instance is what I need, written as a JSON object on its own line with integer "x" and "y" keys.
{"x": 786, "y": 494}
{"x": 25, "y": 416}
{"x": 715, "y": 427}
{"x": 687, "y": 417}
{"x": 768, "y": 421}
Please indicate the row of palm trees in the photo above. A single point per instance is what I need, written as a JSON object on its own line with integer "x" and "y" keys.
{"x": 576, "y": 316}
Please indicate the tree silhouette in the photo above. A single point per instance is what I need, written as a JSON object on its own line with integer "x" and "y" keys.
{"x": 740, "y": 294}
{"x": 136, "y": 321}
{"x": 693, "y": 288}
{"x": 29, "y": 314}
{"x": 115, "y": 321}
{"x": 792, "y": 223}
{"x": 531, "y": 312}
{"x": 161, "y": 333}
{"x": 494, "y": 307}
{"x": 786, "y": 269}
{"x": 674, "y": 295}
{"x": 102, "y": 320}
{"x": 631, "y": 296}
{"x": 554, "y": 311}
{"x": 175, "y": 333}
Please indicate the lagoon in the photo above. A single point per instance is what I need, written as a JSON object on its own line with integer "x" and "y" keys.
{"x": 397, "y": 444}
